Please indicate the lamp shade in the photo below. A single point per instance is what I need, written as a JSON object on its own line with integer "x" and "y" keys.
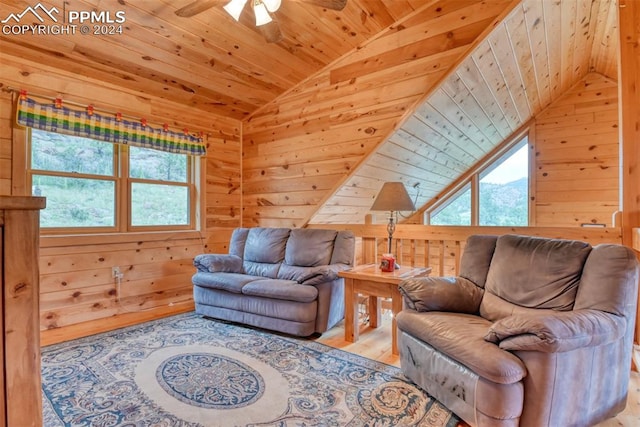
{"x": 234, "y": 8}
{"x": 262, "y": 15}
{"x": 393, "y": 197}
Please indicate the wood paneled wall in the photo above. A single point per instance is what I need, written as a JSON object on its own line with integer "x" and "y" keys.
{"x": 300, "y": 149}
{"x": 76, "y": 282}
{"x": 5, "y": 143}
{"x": 577, "y": 156}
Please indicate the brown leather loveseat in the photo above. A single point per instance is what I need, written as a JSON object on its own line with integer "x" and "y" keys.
{"x": 533, "y": 331}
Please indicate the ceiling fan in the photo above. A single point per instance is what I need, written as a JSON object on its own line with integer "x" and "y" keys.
{"x": 262, "y": 9}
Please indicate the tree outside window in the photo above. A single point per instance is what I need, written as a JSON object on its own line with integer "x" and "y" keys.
{"x": 83, "y": 182}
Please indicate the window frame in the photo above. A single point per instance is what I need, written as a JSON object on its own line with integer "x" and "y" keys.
{"x": 123, "y": 193}
{"x": 490, "y": 162}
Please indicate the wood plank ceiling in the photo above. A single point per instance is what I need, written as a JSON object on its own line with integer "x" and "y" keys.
{"x": 537, "y": 53}
{"x": 207, "y": 61}
{"x": 222, "y": 68}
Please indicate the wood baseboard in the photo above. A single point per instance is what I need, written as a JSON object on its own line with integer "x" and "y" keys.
{"x": 66, "y": 333}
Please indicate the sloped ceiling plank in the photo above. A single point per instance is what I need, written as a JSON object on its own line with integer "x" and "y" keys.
{"x": 535, "y": 24}
{"x": 447, "y": 130}
{"x": 568, "y": 45}
{"x": 553, "y": 27}
{"x": 466, "y": 105}
{"x": 442, "y": 103}
{"x": 518, "y": 37}
{"x": 337, "y": 97}
{"x": 473, "y": 79}
{"x": 605, "y": 41}
{"x": 447, "y": 168}
{"x": 487, "y": 66}
{"x": 508, "y": 68}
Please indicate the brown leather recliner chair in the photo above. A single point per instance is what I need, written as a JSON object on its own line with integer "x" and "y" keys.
{"x": 533, "y": 332}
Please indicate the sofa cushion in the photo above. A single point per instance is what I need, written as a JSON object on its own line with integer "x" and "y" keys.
{"x": 237, "y": 242}
{"x": 536, "y": 272}
{"x": 608, "y": 266}
{"x": 266, "y": 245}
{"x": 343, "y": 248}
{"x": 231, "y": 282}
{"x": 309, "y": 247}
{"x": 281, "y": 289}
{"x": 455, "y": 294}
{"x": 476, "y": 258}
{"x": 264, "y": 251}
{"x": 461, "y": 337}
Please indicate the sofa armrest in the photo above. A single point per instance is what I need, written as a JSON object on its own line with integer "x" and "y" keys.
{"x": 311, "y": 275}
{"x": 556, "y": 332}
{"x": 212, "y": 263}
{"x": 455, "y": 294}
{"x": 326, "y": 273}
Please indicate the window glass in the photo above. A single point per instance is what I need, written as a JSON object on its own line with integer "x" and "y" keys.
{"x": 153, "y": 204}
{"x": 455, "y": 212}
{"x": 65, "y": 153}
{"x": 158, "y": 165}
{"x": 504, "y": 190}
{"x": 84, "y": 188}
{"x": 75, "y": 202}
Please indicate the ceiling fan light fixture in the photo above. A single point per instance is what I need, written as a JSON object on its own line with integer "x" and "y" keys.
{"x": 235, "y": 7}
{"x": 272, "y": 5}
{"x": 262, "y": 15}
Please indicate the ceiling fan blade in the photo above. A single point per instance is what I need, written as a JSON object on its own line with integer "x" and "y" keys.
{"x": 329, "y": 4}
{"x": 271, "y": 31}
{"x": 197, "y": 7}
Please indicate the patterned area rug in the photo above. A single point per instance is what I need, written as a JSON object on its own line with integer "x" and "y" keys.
{"x": 190, "y": 371}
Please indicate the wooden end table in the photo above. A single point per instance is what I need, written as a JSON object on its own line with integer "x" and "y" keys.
{"x": 370, "y": 280}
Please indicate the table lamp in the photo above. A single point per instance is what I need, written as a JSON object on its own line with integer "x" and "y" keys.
{"x": 393, "y": 197}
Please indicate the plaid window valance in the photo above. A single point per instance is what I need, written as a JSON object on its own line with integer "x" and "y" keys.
{"x": 104, "y": 128}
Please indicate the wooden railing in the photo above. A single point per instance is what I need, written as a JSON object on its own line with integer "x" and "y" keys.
{"x": 440, "y": 247}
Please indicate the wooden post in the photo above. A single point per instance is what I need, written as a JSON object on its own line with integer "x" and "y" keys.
{"x": 629, "y": 95}
{"x": 368, "y": 244}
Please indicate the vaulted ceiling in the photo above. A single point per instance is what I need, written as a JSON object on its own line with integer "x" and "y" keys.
{"x": 538, "y": 52}
{"x": 208, "y": 61}
{"x": 224, "y": 68}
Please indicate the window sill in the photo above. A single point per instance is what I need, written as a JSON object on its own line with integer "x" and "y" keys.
{"x": 111, "y": 238}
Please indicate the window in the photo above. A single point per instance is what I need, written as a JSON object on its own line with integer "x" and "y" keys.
{"x": 159, "y": 187}
{"x": 456, "y": 211}
{"x": 504, "y": 189}
{"x": 500, "y": 198}
{"x": 95, "y": 185}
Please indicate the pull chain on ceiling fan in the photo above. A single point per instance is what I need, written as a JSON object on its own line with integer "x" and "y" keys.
{"x": 262, "y": 10}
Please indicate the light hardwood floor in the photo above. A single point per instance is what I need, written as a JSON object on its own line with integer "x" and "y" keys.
{"x": 376, "y": 344}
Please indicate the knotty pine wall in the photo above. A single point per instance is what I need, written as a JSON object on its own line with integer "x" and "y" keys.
{"x": 299, "y": 149}
{"x": 577, "y": 156}
{"x": 5, "y": 143}
{"x": 76, "y": 284}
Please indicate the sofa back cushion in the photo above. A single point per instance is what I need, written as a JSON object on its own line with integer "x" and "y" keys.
{"x": 264, "y": 251}
{"x": 238, "y": 240}
{"x": 609, "y": 280}
{"x": 344, "y": 248}
{"x": 309, "y": 247}
{"x": 533, "y": 272}
{"x": 476, "y": 258}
